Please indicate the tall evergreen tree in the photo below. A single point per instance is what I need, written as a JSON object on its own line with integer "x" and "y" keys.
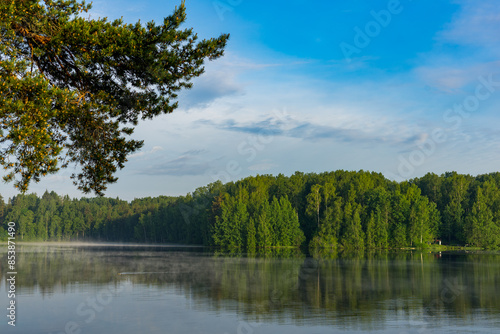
{"x": 2, "y": 209}
{"x": 370, "y": 232}
{"x": 314, "y": 202}
{"x": 354, "y": 236}
{"x": 263, "y": 225}
{"x": 250, "y": 236}
{"x": 482, "y": 231}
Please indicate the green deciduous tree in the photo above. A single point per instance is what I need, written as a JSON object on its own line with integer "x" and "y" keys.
{"x": 73, "y": 88}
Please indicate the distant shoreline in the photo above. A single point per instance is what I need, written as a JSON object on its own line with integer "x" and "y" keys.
{"x": 101, "y": 244}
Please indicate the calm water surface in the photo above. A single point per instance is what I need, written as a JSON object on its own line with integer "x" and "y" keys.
{"x": 63, "y": 289}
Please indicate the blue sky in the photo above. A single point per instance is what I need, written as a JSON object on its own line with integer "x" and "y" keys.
{"x": 397, "y": 87}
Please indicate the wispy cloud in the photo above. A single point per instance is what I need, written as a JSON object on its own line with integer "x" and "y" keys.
{"x": 221, "y": 79}
{"x": 467, "y": 47}
{"x": 212, "y": 85}
{"x": 188, "y": 163}
{"x": 476, "y": 24}
{"x": 451, "y": 77}
{"x": 145, "y": 153}
{"x": 313, "y": 131}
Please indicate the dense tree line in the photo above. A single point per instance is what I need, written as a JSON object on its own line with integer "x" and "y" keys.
{"x": 341, "y": 209}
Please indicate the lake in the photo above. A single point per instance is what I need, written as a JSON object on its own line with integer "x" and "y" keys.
{"x": 139, "y": 289}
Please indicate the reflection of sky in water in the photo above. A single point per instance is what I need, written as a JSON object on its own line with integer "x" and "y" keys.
{"x": 165, "y": 292}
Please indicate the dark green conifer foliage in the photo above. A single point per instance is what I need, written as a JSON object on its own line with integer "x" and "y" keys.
{"x": 482, "y": 230}
{"x": 263, "y": 226}
{"x": 250, "y": 236}
{"x": 73, "y": 88}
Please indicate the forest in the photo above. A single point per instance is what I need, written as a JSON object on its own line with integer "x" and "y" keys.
{"x": 345, "y": 210}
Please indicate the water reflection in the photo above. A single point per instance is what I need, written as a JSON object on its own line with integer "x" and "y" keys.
{"x": 365, "y": 291}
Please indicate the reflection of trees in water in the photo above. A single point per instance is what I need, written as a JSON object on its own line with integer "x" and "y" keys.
{"x": 280, "y": 287}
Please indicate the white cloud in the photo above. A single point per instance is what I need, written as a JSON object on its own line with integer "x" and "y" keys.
{"x": 476, "y": 24}
{"x": 213, "y": 84}
{"x": 188, "y": 163}
{"x": 467, "y": 47}
{"x": 452, "y": 77}
{"x": 222, "y": 78}
{"x": 145, "y": 153}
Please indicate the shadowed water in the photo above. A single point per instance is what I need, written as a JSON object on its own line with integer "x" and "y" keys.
{"x": 66, "y": 289}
